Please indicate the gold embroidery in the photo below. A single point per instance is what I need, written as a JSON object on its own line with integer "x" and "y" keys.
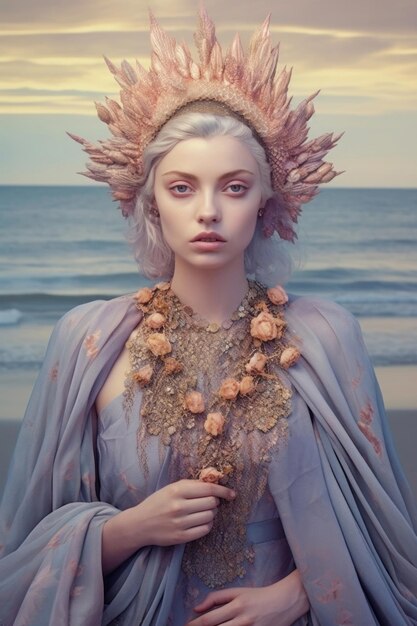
{"x": 204, "y": 374}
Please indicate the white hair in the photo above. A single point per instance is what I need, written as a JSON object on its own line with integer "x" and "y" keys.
{"x": 266, "y": 259}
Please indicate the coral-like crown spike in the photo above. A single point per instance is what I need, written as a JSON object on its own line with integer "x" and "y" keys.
{"x": 244, "y": 85}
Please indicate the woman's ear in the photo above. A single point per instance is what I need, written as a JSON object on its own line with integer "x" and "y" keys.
{"x": 153, "y": 210}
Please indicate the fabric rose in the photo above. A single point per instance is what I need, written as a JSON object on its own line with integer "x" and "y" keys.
{"x": 229, "y": 389}
{"x": 277, "y": 295}
{"x": 289, "y": 357}
{"x": 144, "y": 295}
{"x": 210, "y": 475}
{"x": 155, "y": 321}
{"x": 164, "y": 286}
{"x": 158, "y": 344}
{"x": 264, "y": 326}
{"x": 143, "y": 375}
{"x": 256, "y": 363}
{"x": 214, "y": 424}
{"x": 247, "y": 385}
{"x": 172, "y": 366}
{"x": 194, "y": 402}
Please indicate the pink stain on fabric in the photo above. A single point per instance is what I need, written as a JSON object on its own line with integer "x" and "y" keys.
{"x": 331, "y": 593}
{"x": 129, "y": 486}
{"x": 76, "y": 591}
{"x": 367, "y": 413}
{"x": 53, "y": 373}
{"x": 364, "y": 425}
{"x": 88, "y": 479}
{"x": 357, "y": 380}
{"x": 69, "y": 471}
{"x": 54, "y": 541}
{"x": 344, "y": 618}
{"x": 75, "y": 568}
{"x": 90, "y": 344}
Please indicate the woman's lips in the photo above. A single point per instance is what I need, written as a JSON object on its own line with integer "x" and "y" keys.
{"x": 208, "y": 236}
{"x": 207, "y": 242}
{"x": 207, "y": 245}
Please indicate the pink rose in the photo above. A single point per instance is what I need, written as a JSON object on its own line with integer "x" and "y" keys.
{"x": 265, "y": 326}
{"x": 229, "y": 389}
{"x": 210, "y": 475}
{"x": 247, "y": 385}
{"x": 256, "y": 363}
{"x": 163, "y": 286}
{"x": 155, "y": 321}
{"x": 144, "y": 295}
{"x": 143, "y": 375}
{"x": 158, "y": 344}
{"x": 194, "y": 402}
{"x": 172, "y": 366}
{"x": 277, "y": 295}
{"x": 289, "y": 357}
{"x": 214, "y": 424}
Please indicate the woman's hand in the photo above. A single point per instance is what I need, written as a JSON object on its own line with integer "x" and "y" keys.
{"x": 180, "y": 512}
{"x": 280, "y": 604}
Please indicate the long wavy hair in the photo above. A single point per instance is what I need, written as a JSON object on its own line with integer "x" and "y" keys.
{"x": 266, "y": 259}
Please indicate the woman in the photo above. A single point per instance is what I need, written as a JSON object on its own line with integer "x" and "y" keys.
{"x": 221, "y": 455}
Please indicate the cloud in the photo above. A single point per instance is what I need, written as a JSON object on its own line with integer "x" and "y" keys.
{"x": 363, "y": 54}
{"x": 48, "y": 16}
{"x": 373, "y": 15}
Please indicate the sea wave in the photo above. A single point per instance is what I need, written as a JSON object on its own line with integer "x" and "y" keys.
{"x": 60, "y": 281}
{"x": 44, "y": 307}
{"x": 49, "y": 306}
{"x": 10, "y": 317}
{"x": 22, "y": 356}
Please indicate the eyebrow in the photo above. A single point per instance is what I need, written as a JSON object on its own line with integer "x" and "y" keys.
{"x": 192, "y": 177}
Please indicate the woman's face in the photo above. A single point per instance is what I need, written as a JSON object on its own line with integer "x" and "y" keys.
{"x": 208, "y": 193}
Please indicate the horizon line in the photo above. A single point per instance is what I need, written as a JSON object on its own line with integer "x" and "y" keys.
{"x": 95, "y": 186}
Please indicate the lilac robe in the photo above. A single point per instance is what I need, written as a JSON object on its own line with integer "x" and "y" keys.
{"x": 346, "y": 509}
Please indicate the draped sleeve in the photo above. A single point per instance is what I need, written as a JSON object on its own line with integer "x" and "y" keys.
{"x": 346, "y": 507}
{"x": 51, "y": 516}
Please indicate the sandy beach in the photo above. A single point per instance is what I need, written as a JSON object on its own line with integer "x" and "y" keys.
{"x": 398, "y": 384}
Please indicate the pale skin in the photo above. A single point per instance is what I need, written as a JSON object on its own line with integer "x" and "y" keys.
{"x": 204, "y": 186}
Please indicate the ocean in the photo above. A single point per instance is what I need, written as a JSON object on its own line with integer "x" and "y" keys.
{"x": 60, "y": 246}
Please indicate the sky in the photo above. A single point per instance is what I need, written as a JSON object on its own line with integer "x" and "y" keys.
{"x": 362, "y": 54}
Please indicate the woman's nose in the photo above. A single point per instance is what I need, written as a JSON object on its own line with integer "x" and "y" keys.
{"x": 209, "y": 209}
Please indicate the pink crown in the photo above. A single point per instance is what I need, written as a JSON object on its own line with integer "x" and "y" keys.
{"x": 245, "y": 85}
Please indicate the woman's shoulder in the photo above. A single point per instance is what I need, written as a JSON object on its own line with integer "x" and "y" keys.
{"x": 315, "y": 309}
{"x": 88, "y": 310}
{"x": 315, "y": 305}
{"x": 325, "y": 320}
{"x": 96, "y": 314}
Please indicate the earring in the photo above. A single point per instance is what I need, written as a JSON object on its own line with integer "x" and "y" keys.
{"x": 261, "y": 211}
{"x": 153, "y": 212}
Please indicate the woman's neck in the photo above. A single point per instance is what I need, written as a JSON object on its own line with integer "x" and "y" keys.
{"x": 213, "y": 294}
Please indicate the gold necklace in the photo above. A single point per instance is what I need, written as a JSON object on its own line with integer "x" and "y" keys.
{"x": 213, "y": 394}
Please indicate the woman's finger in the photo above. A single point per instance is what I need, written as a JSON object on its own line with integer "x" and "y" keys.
{"x": 216, "y": 598}
{"x": 199, "y": 519}
{"x": 198, "y": 489}
{"x": 223, "y": 614}
{"x": 196, "y": 505}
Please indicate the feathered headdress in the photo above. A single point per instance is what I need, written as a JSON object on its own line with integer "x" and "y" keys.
{"x": 244, "y": 85}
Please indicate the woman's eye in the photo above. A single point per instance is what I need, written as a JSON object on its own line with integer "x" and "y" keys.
{"x": 180, "y": 189}
{"x": 237, "y": 188}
